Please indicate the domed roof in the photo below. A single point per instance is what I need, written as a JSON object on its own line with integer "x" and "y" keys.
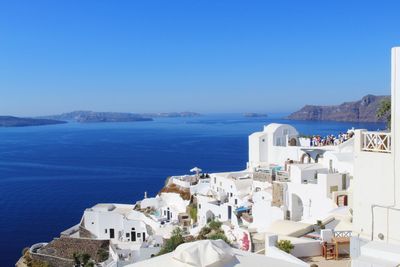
{"x": 273, "y": 127}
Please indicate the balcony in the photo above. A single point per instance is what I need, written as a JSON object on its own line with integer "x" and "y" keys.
{"x": 376, "y": 142}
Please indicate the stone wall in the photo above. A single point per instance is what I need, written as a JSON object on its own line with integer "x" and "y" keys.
{"x": 277, "y": 194}
{"x": 53, "y": 261}
{"x": 60, "y": 252}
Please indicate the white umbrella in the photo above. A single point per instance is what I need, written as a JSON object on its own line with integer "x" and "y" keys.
{"x": 197, "y": 170}
{"x": 215, "y": 253}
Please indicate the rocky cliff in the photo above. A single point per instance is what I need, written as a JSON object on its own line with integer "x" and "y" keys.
{"x": 363, "y": 110}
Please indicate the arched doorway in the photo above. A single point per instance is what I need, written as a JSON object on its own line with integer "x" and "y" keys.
{"x": 293, "y": 142}
{"x": 210, "y": 216}
{"x": 305, "y": 158}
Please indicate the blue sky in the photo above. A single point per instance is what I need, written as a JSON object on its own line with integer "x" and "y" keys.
{"x": 204, "y": 56}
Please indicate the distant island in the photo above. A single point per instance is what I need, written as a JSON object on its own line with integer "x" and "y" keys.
{"x": 255, "y": 115}
{"x": 171, "y": 114}
{"x": 363, "y": 110}
{"x": 10, "y": 121}
{"x": 92, "y": 116}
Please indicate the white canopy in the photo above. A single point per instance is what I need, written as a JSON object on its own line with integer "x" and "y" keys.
{"x": 206, "y": 253}
{"x": 215, "y": 253}
{"x": 196, "y": 170}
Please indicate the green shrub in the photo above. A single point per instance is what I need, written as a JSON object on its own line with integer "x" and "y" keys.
{"x": 102, "y": 254}
{"x": 285, "y": 245}
{"x": 172, "y": 243}
{"x": 215, "y": 225}
{"x": 384, "y": 111}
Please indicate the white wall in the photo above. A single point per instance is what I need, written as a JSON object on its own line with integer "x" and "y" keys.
{"x": 396, "y": 117}
{"x": 373, "y": 184}
{"x": 258, "y": 144}
{"x": 315, "y": 198}
{"x": 264, "y": 215}
{"x": 100, "y": 223}
{"x": 303, "y": 247}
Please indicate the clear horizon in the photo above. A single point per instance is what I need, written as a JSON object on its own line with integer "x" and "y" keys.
{"x": 206, "y": 57}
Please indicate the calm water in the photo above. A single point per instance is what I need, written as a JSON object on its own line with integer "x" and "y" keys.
{"x": 50, "y": 174}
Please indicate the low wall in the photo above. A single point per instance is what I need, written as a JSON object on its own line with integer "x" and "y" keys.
{"x": 52, "y": 260}
{"x": 304, "y": 247}
{"x": 307, "y": 249}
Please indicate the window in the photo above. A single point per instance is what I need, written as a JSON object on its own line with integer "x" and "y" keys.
{"x": 199, "y": 206}
{"x": 105, "y": 231}
{"x": 139, "y": 234}
{"x": 235, "y": 201}
{"x": 263, "y": 140}
{"x": 334, "y": 188}
{"x": 127, "y": 234}
{"x": 278, "y": 141}
{"x": 112, "y": 235}
{"x": 215, "y": 180}
{"x": 344, "y": 185}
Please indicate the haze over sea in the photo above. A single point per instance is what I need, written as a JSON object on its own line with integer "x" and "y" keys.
{"x": 50, "y": 174}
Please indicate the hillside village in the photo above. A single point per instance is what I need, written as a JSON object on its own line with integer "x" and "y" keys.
{"x": 331, "y": 202}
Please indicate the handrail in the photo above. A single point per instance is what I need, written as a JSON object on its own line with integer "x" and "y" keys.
{"x": 377, "y": 142}
{"x": 342, "y": 233}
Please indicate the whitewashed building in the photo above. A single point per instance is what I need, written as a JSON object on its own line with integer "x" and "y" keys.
{"x": 117, "y": 222}
{"x": 376, "y": 191}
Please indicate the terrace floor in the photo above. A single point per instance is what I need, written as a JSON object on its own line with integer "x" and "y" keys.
{"x": 321, "y": 262}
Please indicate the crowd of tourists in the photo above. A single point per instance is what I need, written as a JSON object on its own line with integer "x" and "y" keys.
{"x": 330, "y": 140}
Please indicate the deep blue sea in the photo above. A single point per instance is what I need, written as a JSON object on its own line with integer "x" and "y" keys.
{"x": 50, "y": 174}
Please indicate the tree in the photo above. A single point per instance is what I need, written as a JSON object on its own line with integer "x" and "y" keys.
{"x": 215, "y": 225}
{"x": 384, "y": 111}
{"x": 193, "y": 212}
{"x": 285, "y": 245}
{"x": 172, "y": 243}
{"x": 213, "y": 231}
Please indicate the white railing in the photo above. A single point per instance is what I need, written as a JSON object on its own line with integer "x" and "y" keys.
{"x": 377, "y": 142}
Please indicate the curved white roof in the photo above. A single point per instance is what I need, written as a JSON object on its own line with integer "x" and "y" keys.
{"x": 272, "y": 127}
{"x": 215, "y": 253}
